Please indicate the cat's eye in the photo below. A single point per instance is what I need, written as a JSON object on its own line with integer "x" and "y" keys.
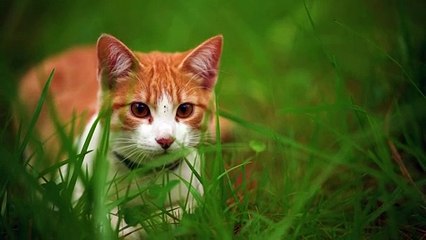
{"x": 140, "y": 110}
{"x": 184, "y": 110}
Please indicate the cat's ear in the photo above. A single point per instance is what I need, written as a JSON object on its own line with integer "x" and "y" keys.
{"x": 203, "y": 61}
{"x": 115, "y": 60}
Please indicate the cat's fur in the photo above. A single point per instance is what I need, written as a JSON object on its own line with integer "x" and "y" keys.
{"x": 111, "y": 76}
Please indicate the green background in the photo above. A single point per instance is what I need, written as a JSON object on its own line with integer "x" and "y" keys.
{"x": 319, "y": 91}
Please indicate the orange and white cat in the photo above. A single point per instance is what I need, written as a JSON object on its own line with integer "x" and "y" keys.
{"x": 159, "y": 103}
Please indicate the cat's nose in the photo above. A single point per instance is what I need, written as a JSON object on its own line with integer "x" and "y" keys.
{"x": 165, "y": 142}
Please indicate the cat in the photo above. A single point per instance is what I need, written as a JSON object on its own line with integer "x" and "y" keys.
{"x": 159, "y": 104}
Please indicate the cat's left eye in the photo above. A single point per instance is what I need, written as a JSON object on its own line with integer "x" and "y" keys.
{"x": 184, "y": 110}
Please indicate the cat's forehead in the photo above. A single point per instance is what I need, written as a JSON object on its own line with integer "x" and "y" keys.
{"x": 161, "y": 76}
{"x": 160, "y": 59}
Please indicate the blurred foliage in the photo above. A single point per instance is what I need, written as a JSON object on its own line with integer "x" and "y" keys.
{"x": 328, "y": 74}
{"x": 272, "y": 56}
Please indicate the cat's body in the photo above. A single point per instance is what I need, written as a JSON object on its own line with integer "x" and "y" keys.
{"x": 159, "y": 105}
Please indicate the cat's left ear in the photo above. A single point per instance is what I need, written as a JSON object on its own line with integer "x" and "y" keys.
{"x": 203, "y": 61}
{"x": 115, "y": 60}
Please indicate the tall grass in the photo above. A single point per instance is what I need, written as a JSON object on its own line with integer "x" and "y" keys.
{"x": 327, "y": 101}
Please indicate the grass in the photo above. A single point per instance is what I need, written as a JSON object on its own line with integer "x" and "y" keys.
{"x": 327, "y": 100}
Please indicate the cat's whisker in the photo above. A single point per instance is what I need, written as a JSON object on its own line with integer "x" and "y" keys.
{"x": 131, "y": 155}
{"x": 141, "y": 158}
{"x": 125, "y": 147}
{"x": 123, "y": 144}
{"x": 122, "y": 140}
{"x": 126, "y": 154}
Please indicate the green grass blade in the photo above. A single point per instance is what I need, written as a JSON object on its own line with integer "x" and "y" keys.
{"x": 35, "y": 115}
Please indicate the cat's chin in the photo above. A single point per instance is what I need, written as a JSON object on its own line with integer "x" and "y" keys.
{"x": 180, "y": 150}
{"x": 169, "y": 153}
{"x": 164, "y": 160}
{"x": 160, "y": 152}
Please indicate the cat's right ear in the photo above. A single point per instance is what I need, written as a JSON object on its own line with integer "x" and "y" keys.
{"x": 115, "y": 60}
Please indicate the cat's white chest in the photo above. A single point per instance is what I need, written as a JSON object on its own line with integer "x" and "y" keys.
{"x": 129, "y": 182}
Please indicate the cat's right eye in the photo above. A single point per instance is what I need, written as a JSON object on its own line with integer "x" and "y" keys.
{"x": 140, "y": 110}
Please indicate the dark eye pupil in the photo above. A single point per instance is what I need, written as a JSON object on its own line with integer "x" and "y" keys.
{"x": 184, "y": 108}
{"x": 140, "y": 108}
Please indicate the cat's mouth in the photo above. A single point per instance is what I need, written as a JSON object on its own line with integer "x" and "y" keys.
{"x": 132, "y": 165}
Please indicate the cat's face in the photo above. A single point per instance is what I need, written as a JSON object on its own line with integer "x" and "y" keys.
{"x": 159, "y": 100}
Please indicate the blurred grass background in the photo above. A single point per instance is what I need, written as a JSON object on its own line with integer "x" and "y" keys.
{"x": 333, "y": 90}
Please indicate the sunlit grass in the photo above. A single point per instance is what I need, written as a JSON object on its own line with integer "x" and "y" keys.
{"x": 327, "y": 103}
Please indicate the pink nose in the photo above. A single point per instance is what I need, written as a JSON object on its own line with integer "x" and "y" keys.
{"x": 165, "y": 142}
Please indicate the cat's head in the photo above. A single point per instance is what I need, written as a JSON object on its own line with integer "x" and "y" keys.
{"x": 159, "y": 100}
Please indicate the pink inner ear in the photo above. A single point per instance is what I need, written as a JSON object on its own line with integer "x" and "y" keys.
{"x": 203, "y": 61}
{"x": 115, "y": 59}
{"x": 120, "y": 62}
